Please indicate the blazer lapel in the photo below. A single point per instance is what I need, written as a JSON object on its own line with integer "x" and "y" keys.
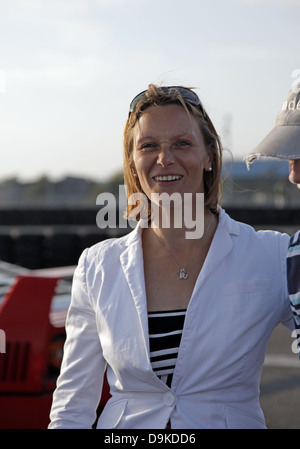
{"x": 220, "y": 247}
{"x": 133, "y": 268}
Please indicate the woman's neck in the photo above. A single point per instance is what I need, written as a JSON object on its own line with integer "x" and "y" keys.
{"x": 175, "y": 238}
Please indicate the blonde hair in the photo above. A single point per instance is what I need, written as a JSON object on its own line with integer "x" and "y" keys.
{"x": 158, "y": 96}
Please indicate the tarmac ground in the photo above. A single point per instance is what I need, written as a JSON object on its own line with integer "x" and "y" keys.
{"x": 280, "y": 382}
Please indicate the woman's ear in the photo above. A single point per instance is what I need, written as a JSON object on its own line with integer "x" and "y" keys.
{"x": 208, "y": 163}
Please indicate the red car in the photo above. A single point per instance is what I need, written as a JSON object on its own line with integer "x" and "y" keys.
{"x": 33, "y": 307}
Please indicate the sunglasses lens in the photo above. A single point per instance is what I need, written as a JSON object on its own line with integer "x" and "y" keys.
{"x": 136, "y": 100}
{"x": 187, "y": 95}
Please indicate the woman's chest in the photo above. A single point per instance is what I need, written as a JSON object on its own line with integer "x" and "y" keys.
{"x": 168, "y": 286}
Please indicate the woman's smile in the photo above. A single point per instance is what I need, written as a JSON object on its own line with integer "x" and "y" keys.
{"x": 167, "y": 178}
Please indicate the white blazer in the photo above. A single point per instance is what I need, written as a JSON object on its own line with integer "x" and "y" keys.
{"x": 239, "y": 298}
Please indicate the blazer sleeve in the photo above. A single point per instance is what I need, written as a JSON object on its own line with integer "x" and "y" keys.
{"x": 79, "y": 385}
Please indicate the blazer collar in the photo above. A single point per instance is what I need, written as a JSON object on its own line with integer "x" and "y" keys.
{"x": 135, "y": 235}
{"x": 221, "y": 245}
{"x": 133, "y": 267}
{"x": 226, "y": 222}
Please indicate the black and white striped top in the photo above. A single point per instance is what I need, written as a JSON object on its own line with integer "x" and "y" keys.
{"x": 165, "y": 330}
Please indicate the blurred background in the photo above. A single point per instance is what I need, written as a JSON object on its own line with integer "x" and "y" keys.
{"x": 68, "y": 71}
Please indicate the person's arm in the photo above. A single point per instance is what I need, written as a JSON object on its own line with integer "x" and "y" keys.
{"x": 79, "y": 385}
{"x": 287, "y": 317}
{"x": 293, "y": 276}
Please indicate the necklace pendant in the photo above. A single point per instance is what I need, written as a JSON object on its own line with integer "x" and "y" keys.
{"x": 182, "y": 274}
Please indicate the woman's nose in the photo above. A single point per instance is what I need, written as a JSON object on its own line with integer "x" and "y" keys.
{"x": 165, "y": 157}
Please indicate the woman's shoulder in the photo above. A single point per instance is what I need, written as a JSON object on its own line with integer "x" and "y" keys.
{"x": 261, "y": 237}
{"x": 107, "y": 248}
{"x": 107, "y": 245}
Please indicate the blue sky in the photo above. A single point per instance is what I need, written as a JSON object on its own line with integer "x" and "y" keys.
{"x": 69, "y": 69}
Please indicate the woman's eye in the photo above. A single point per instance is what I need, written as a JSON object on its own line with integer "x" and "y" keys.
{"x": 149, "y": 146}
{"x": 183, "y": 143}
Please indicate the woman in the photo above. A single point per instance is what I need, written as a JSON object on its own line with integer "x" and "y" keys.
{"x": 181, "y": 324}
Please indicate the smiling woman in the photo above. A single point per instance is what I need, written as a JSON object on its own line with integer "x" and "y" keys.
{"x": 170, "y": 159}
{"x": 179, "y": 325}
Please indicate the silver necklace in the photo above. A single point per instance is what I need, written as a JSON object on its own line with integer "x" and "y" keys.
{"x": 182, "y": 274}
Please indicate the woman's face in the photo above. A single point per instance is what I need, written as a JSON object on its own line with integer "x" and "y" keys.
{"x": 294, "y": 176}
{"x": 169, "y": 153}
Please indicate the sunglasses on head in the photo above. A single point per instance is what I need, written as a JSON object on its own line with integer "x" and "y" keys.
{"x": 187, "y": 95}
